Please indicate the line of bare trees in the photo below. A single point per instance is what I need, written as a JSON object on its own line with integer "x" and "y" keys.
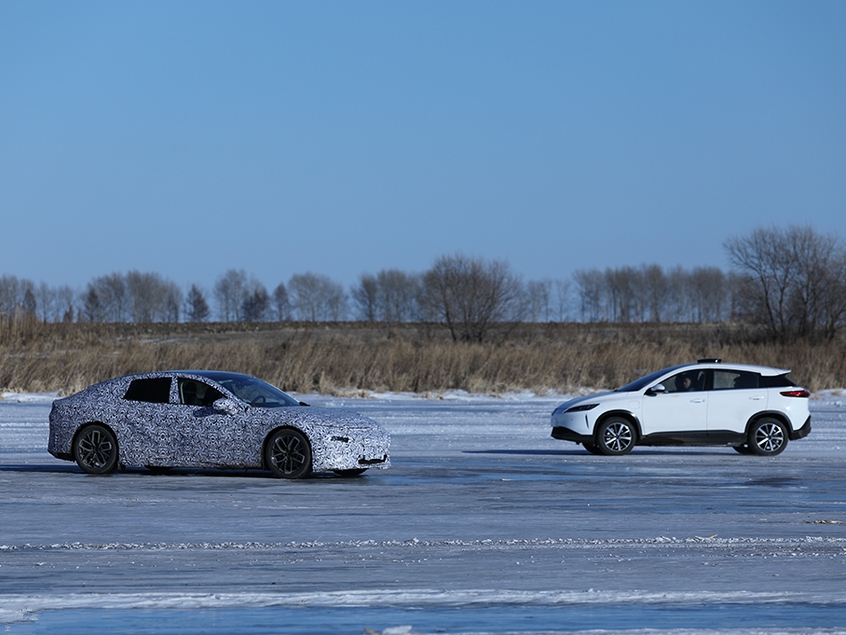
{"x": 791, "y": 281}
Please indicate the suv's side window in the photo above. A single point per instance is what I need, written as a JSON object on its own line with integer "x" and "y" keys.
{"x": 197, "y": 393}
{"x": 688, "y": 381}
{"x": 734, "y": 379}
{"x": 155, "y": 390}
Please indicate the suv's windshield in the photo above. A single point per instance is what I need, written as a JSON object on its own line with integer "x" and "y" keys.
{"x": 253, "y": 391}
{"x": 643, "y": 382}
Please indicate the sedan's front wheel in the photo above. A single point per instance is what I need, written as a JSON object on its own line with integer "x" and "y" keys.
{"x": 615, "y": 436}
{"x": 767, "y": 437}
{"x": 287, "y": 454}
{"x": 95, "y": 450}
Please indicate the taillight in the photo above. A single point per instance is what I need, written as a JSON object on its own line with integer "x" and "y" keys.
{"x": 795, "y": 393}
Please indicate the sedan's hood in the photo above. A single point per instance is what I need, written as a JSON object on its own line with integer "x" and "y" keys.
{"x": 333, "y": 417}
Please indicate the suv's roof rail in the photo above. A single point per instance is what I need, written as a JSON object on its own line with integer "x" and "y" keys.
{"x": 710, "y": 360}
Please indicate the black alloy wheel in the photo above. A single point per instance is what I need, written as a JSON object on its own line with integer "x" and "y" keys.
{"x": 95, "y": 450}
{"x": 287, "y": 454}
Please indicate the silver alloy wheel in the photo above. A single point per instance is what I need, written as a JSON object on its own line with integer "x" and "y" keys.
{"x": 768, "y": 438}
{"x": 95, "y": 450}
{"x": 615, "y": 436}
{"x": 288, "y": 454}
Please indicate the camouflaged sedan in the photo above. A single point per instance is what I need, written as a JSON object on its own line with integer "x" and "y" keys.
{"x": 210, "y": 419}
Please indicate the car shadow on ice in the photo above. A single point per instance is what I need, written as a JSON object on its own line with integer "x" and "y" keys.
{"x": 528, "y": 452}
{"x": 261, "y": 475}
{"x": 641, "y": 451}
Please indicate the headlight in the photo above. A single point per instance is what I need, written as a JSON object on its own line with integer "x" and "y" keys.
{"x": 582, "y": 407}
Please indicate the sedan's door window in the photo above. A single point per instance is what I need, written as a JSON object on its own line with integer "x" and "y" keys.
{"x": 155, "y": 390}
{"x": 197, "y": 393}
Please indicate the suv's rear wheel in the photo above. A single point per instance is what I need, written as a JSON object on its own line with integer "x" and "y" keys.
{"x": 767, "y": 437}
{"x": 615, "y": 436}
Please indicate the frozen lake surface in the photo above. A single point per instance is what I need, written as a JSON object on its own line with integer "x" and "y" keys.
{"x": 484, "y": 524}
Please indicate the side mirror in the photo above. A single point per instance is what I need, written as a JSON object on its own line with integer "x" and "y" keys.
{"x": 229, "y": 406}
{"x": 656, "y": 389}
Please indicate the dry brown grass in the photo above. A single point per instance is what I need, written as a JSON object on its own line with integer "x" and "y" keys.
{"x": 350, "y": 357}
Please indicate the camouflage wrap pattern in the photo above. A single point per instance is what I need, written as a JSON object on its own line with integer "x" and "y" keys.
{"x": 176, "y": 435}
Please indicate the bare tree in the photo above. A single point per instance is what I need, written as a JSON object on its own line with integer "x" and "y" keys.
{"x": 470, "y": 295}
{"x": 708, "y": 294}
{"x": 281, "y": 303}
{"x": 365, "y": 296}
{"x": 590, "y": 287}
{"x": 112, "y": 298}
{"x": 316, "y": 298}
{"x": 13, "y": 296}
{"x": 397, "y": 295}
{"x": 151, "y": 298}
{"x": 229, "y": 292}
{"x": 562, "y": 300}
{"x": 792, "y": 281}
{"x": 655, "y": 288}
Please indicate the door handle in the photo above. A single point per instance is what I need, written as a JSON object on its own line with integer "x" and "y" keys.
{"x": 758, "y": 398}
{"x": 697, "y": 401}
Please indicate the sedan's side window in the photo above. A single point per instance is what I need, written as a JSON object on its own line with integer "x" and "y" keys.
{"x": 197, "y": 393}
{"x": 734, "y": 379}
{"x": 688, "y": 381}
{"x": 155, "y": 390}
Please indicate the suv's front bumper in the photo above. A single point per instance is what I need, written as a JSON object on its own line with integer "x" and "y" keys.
{"x": 566, "y": 434}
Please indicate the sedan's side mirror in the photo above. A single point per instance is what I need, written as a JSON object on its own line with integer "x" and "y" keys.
{"x": 229, "y": 406}
{"x": 656, "y": 389}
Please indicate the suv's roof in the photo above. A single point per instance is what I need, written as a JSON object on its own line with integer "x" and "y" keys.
{"x": 766, "y": 371}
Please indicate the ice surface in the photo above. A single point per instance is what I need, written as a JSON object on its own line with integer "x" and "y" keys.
{"x": 484, "y": 524}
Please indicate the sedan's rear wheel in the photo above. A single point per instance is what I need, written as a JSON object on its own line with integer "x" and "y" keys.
{"x": 95, "y": 450}
{"x": 287, "y": 454}
{"x": 615, "y": 436}
{"x": 767, "y": 437}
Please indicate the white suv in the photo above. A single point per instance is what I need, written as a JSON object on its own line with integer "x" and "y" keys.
{"x": 754, "y": 409}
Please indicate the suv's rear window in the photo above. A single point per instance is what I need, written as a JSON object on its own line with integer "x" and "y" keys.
{"x": 156, "y": 390}
{"x": 776, "y": 381}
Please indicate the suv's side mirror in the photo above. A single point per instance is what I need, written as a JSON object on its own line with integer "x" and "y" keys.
{"x": 656, "y": 389}
{"x": 229, "y": 406}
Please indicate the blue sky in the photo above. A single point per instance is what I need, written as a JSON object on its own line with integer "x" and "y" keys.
{"x": 188, "y": 138}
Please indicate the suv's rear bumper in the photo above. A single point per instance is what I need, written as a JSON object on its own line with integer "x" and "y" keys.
{"x": 802, "y": 432}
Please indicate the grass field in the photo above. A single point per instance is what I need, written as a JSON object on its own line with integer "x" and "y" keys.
{"x": 347, "y": 357}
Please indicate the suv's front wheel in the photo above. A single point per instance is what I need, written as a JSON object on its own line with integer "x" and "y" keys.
{"x": 615, "y": 436}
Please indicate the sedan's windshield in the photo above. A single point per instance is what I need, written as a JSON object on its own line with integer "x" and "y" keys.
{"x": 253, "y": 391}
{"x": 643, "y": 382}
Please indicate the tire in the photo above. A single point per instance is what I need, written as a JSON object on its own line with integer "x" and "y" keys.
{"x": 95, "y": 449}
{"x": 742, "y": 449}
{"x": 287, "y": 454}
{"x": 590, "y": 447}
{"x": 767, "y": 437}
{"x": 615, "y": 436}
{"x": 351, "y": 473}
